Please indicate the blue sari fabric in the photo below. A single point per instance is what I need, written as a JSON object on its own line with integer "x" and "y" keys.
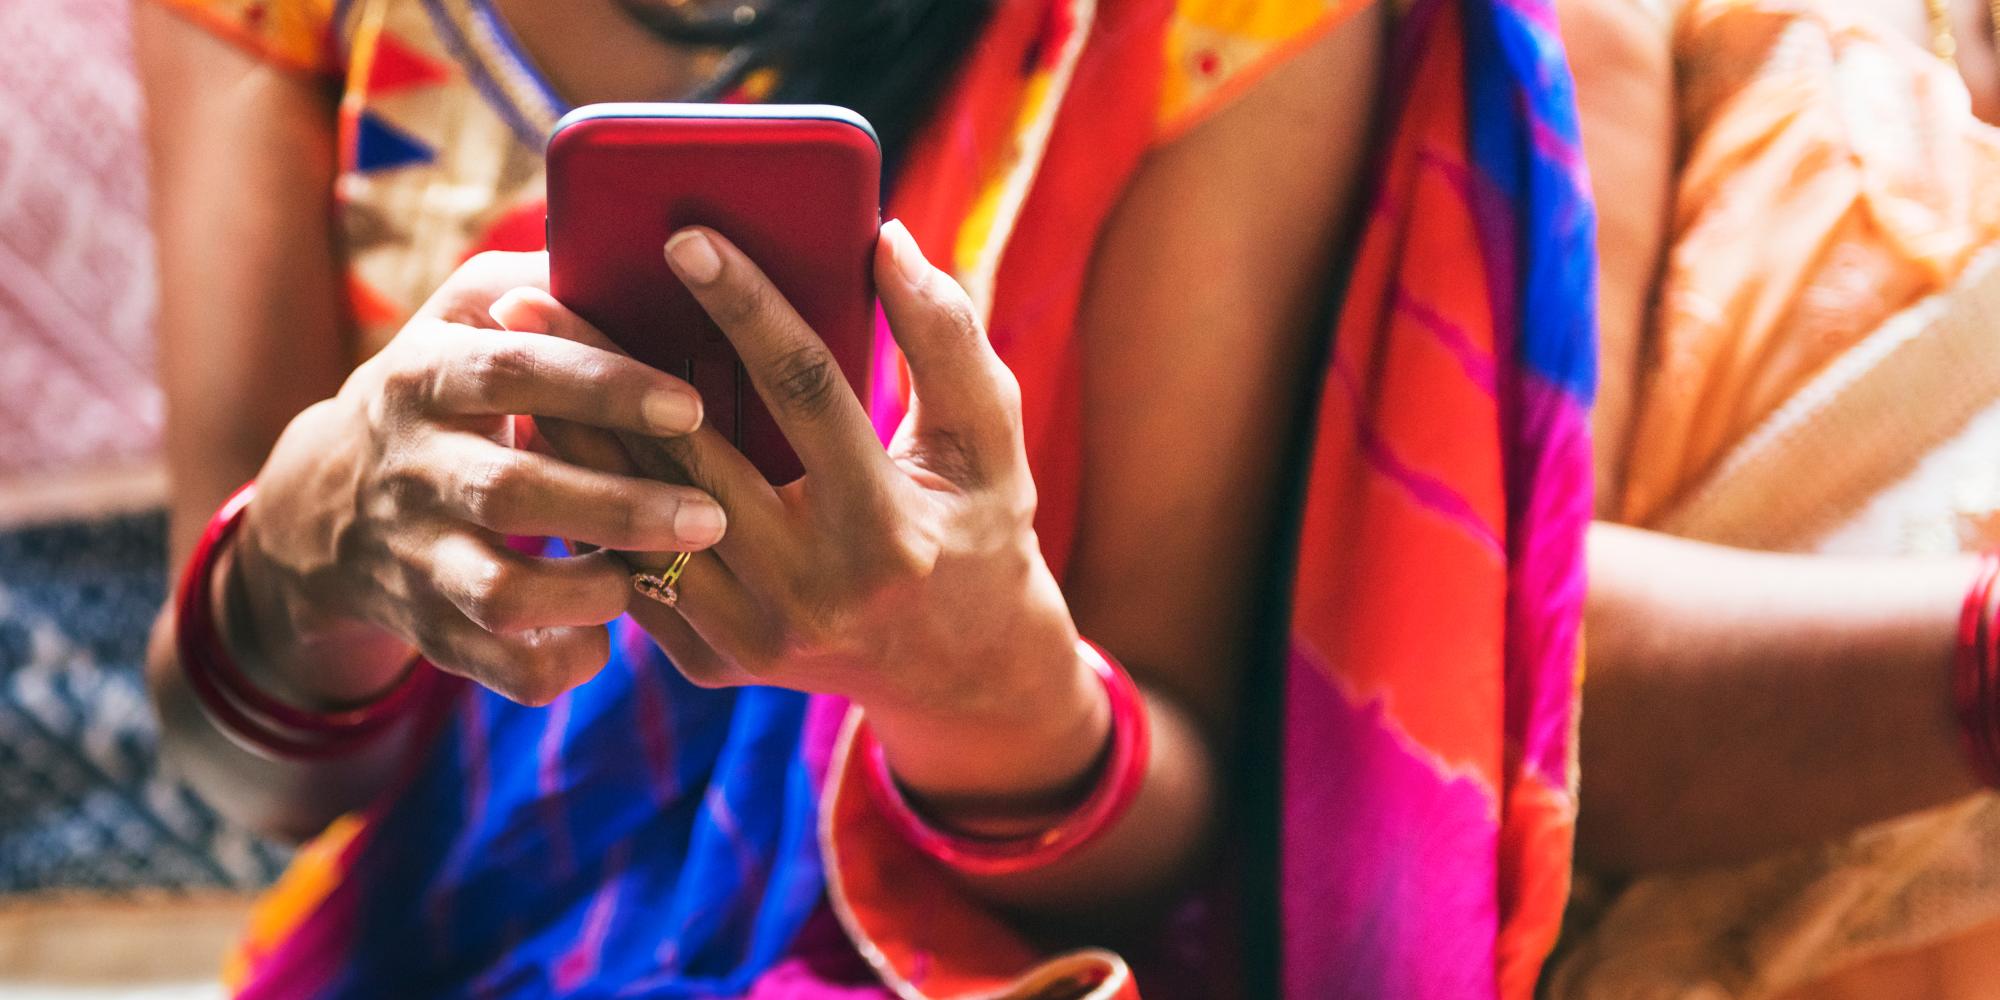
{"x": 639, "y": 837}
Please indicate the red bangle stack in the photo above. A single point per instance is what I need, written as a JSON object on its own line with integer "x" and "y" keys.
{"x": 250, "y": 716}
{"x": 1976, "y": 673}
{"x": 1123, "y": 773}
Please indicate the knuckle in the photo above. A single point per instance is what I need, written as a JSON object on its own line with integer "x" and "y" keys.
{"x": 574, "y": 655}
{"x": 490, "y": 598}
{"x": 535, "y": 688}
{"x": 464, "y": 294}
{"x": 483, "y": 266}
{"x": 435, "y": 646}
{"x": 523, "y": 673}
{"x": 1007, "y": 392}
{"x": 495, "y": 489}
{"x": 806, "y": 380}
{"x": 492, "y": 371}
{"x": 408, "y": 383}
{"x": 402, "y": 487}
{"x": 488, "y": 273}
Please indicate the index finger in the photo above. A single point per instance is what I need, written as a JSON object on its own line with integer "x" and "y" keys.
{"x": 794, "y": 372}
{"x": 498, "y": 372}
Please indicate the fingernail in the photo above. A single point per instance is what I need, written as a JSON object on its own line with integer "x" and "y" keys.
{"x": 513, "y": 312}
{"x": 698, "y": 522}
{"x": 693, "y": 256}
{"x": 671, "y": 411}
{"x": 908, "y": 257}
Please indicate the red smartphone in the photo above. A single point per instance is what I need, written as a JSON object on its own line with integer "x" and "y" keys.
{"x": 797, "y": 187}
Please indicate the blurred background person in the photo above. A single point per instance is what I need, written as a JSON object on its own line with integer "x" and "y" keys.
{"x": 1798, "y": 326}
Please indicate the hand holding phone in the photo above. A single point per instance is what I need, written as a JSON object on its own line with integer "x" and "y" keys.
{"x": 796, "y": 187}
{"x": 740, "y": 248}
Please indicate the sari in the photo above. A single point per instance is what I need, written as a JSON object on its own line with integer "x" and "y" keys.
{"x": 1823, "y": 379}
{"x": 642, "y": 837}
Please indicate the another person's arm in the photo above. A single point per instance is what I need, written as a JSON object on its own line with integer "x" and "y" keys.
{"x": 1735, "y": 702}
{"x": 1738, "y": 702}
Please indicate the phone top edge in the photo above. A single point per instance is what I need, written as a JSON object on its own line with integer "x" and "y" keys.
{"x": 723, "y": 112}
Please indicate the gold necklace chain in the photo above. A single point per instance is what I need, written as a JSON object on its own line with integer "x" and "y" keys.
{"x": 1943, "y": 42}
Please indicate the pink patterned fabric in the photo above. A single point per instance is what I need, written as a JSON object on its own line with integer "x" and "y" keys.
{"x": 76, "y": 265}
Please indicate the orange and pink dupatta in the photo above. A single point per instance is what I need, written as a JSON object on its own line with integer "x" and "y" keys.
{"x": 1424, "y": 827}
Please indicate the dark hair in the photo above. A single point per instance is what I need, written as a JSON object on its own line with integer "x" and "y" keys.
{"x": 888, "y": 59}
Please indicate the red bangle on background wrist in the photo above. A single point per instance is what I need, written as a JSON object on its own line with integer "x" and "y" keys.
{"x": 249, "y": 715}
{"x": 1975, "y": 682}
{"x": 1121, "y": 775}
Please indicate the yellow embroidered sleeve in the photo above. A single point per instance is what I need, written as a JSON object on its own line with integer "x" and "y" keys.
{"x": 1217, "y": 48}
{"x": 294, "y": 34}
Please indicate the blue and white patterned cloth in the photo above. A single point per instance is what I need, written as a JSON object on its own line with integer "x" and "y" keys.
{"x": 83, "y": 802}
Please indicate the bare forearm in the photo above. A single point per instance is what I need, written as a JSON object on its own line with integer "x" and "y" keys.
{"x": 1738, "y": 702}
{"x": 249, "y": 328}
{"x": 287, "y": 799}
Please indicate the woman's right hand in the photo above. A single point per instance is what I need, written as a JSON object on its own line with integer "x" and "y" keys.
{"x": 382, "y": 514}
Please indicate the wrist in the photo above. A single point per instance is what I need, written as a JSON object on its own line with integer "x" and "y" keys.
{"x": 1026, "y": 753}
{"x": 247, "y": 711}
{"x": 1006, "y": 842}
{"x": 299, "y": 654}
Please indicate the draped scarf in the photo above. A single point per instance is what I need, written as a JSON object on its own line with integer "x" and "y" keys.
{"x": 1421, "y": 830}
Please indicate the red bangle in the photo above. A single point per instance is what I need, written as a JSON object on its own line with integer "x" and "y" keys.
{"x": 248, "y": 714}
{"x": 1123, "y": 773}
{"x": 1975, "y": 683}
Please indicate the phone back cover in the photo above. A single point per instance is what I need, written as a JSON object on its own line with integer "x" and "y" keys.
{"x": 798, "y": 195}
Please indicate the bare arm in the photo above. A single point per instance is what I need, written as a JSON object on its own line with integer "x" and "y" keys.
{"x": 250, "y": 334}
{"x": 1198, "y": 328}
{"x": 1740, "y": 702}
{"x": 249, "y": 329}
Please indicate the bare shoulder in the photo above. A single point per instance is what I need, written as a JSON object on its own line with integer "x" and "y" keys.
{"x": 1307, "y": 112}
{"x": 1197, "y": 327}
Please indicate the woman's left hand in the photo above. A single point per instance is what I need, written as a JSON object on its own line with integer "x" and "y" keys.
{"x": 907, "y": 579}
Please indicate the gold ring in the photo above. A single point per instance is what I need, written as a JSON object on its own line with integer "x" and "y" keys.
{"x": 660, "y": 586}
